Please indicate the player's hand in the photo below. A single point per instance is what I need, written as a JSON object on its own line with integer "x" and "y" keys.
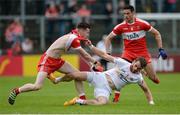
{"x": 151, "y": 103}
{"x": 88, "y": 42}
{"x": 97, "y": 67}
{"x": 156, "y": 80}
{"x": 162, "y": 53}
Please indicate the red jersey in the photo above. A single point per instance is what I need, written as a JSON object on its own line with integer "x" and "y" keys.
{"x": 134, "y": 35}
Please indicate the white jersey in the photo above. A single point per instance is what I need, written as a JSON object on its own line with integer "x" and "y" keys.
{"x": 121, "y": 74}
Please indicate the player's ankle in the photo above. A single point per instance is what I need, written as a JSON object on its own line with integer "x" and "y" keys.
{"x": 80, "y": 101}
{"x": 16, "y": 90}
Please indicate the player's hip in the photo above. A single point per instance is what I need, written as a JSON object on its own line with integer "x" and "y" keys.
{"x": 130, "y": 56}
{"x": 49, "y": 64}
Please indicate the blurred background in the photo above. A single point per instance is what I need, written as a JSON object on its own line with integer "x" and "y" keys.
{"x": 28, "y": 27}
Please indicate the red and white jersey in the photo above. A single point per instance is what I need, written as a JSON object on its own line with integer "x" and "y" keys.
{"x": 64, "y": 44}
{"x": 134, "y": 35}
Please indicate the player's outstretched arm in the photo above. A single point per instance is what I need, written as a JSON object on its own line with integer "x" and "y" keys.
{"x": 86, "y": 56}
{"x": 158, "y": 38}
{"x": 108, "y": 40}
{"x": 147, "y": 92}
{"x": 101, "y": 53}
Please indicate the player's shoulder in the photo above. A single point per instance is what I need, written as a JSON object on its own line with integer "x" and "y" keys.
{"x": 120, "y": 24}
{"x": 121, "y": 60}
{"x": 138, "y": 20}
{"x": 72, "y": 36}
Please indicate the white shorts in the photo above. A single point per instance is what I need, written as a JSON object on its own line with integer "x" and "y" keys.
{"x": 100, "y": 83}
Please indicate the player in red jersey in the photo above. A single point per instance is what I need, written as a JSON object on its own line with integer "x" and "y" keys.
{"x": 133, "y": 31}
{"x": 51, "y": 61}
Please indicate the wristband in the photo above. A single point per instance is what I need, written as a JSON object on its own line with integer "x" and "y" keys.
{"x": 91, "y": 46}
{"x": 95, "y": 62}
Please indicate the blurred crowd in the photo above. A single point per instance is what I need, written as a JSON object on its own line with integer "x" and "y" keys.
{"x": 79, "y": 10}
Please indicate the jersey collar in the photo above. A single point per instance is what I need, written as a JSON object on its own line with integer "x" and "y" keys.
{"x": 74, "y": 31}
{"x": 133, "y": 22}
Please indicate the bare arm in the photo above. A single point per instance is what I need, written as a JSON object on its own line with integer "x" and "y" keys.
{"x": 157, "y": 36}
{"x": 147, "y": 92}
{"x": 108, "y": 42}
{"x": 88, "y": 58}
{"x": 101, "y": 53}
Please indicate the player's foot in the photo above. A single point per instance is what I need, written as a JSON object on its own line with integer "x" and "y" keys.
{"x": 156, "y": 80}
{"x": 52, "y": 78}
{"x": 71, "y": 102}
{"x": 12, "y": 97}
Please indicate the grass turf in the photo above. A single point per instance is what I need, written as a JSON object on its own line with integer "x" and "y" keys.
{"x": 51, "y": 98}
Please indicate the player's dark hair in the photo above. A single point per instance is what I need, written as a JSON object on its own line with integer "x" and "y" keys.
{"x": 142, "y": 61}
{"x": 129, "y": 7}
{"x": 83, "y": 25}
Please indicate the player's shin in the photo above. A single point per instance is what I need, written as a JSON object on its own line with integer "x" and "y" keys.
{"x": 80, "y": 89}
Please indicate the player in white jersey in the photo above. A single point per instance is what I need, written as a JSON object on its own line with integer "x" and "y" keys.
{"x": 114, "y": 79}
{"x": 51, "y": 61}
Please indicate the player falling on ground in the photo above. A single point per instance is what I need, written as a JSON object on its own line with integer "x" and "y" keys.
{"x": 114, "y": 79}
{"x": 51, "y": 61}
{"x": 133, "y": 31}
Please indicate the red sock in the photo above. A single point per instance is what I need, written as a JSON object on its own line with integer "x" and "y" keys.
{"x": 17, "y": 91}
{"x": 82, "y": 97}
{"x": 116, "y": 96}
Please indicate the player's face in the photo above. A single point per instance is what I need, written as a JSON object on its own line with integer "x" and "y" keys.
{"x": 128, "y": 15}
{"x": 135, "y": 67}
{"x": 85, "y": 32}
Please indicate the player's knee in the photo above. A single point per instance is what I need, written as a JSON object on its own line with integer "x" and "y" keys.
{"x": 37, "y": 87}
{"x": 102, "y": 101}
{"x": 72, "y": 75}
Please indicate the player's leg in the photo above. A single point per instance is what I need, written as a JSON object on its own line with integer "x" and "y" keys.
{"x": 151, "y": 73}
{"x": 101, "y": 100}
{"x": 68, "y": 68}
{"x": 37, "y": 85}
{"x": 28, "y": 87}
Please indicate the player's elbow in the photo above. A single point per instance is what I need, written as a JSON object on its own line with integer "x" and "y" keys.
{"x": 157, "y": 34}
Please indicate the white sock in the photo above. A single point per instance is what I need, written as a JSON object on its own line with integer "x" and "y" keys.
{"x": 81, "y": 94}
{"x": 58, "y": 79}
{"x": 80, "y": 101}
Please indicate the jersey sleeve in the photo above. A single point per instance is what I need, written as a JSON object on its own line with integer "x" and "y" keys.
{"x": 117, "y": 30}
{"x": 120, "y": 62}
{"x": 146, "y": 26}
{"x": 140, "y": 81}
{"x": 76, "y": 44}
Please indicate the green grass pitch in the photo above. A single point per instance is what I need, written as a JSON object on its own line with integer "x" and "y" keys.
{"x": 51, "y": 98}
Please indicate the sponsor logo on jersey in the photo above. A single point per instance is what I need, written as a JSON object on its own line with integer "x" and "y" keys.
{"x": 133, "y": 35}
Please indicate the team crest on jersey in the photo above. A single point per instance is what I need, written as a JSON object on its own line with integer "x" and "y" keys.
{"x": 132, "y": 29}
